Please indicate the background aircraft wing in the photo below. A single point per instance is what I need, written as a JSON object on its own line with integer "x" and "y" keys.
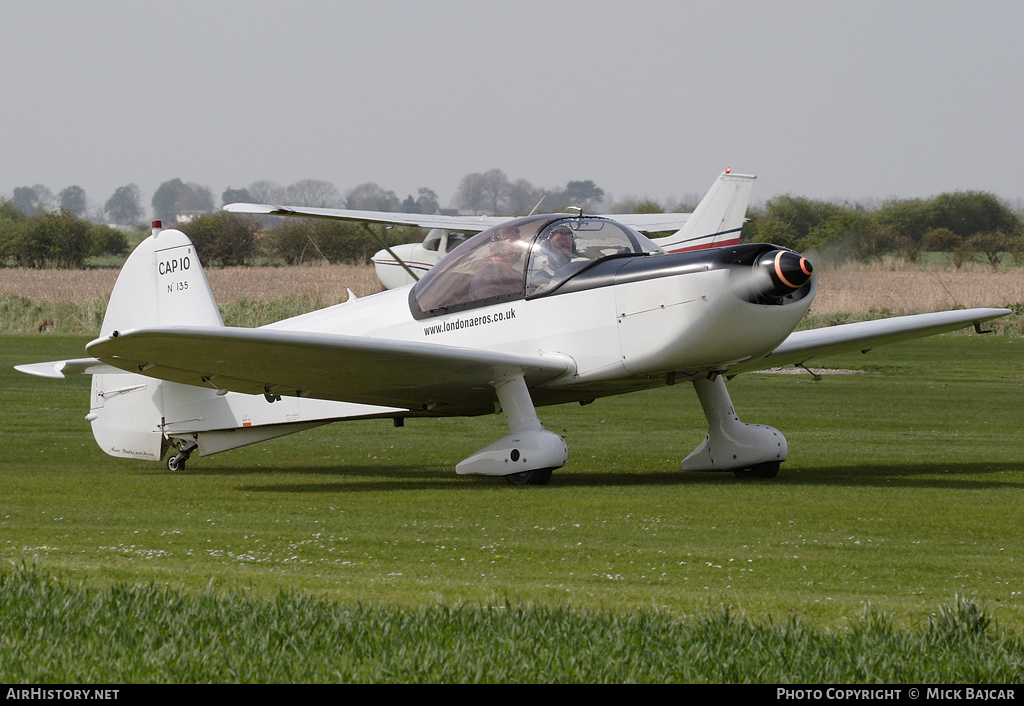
{"x": 423, "y": 377}
{"x": 644, "y": 222}
{"x": 420, "y": 220}
{"x": 802, "y": 346}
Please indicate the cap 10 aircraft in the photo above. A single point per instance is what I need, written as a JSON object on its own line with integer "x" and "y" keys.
{"x": 534, "y": 311}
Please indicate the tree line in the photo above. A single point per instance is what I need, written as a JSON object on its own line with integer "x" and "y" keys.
{"x": 54, "y": 238}
{"x": 962, "y": 223}
{"x": 40, "y": 229}
{"x": 174, "y": 201}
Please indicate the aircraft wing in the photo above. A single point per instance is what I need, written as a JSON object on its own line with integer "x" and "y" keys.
{"x": 419, "y": 220}
{"x": 420, "y": 377}
{"x": 802, "y": 346}
{"x": 644, "y": 222}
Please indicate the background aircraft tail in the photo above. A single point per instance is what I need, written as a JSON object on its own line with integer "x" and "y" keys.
{"x": 718, "y": 218}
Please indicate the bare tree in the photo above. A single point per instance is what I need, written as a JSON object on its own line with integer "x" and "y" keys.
{"x": 470, "y": 195}
{"x": 427, "y": 201}
{"x": 523, "y": 197}
{"x": 483, "y": 192}
{"x": 370, "y": 197}
{"x": 267, "y": 192}
{"x": 495, "y": 187}
{"x": 313, "y": 192}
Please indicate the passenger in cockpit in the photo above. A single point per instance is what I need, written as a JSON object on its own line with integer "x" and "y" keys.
{"x": 504, "y": 273}
{"x": 559, "y": 247}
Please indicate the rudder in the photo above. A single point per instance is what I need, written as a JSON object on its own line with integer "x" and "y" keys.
{"x": 718, "y": 218}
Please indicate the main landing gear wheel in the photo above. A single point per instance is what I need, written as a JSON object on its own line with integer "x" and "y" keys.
{"x": 761, "y": 470}
{"x": 541, "y": 476}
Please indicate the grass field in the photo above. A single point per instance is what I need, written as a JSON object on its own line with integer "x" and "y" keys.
{"x": 901, "y": 497}
{"x": 887, "y": 549}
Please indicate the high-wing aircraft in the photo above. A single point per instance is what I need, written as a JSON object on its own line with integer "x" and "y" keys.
{"x": 529, "y": 312}
{"x": 715, "y": 222}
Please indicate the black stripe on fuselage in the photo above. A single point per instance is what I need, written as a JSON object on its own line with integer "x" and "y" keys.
{"x": 635, "y": 268}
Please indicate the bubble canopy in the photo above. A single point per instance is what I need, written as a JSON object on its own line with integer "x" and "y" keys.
{"x": 523, "y": 258}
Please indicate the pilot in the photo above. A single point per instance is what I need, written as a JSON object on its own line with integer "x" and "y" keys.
{"x": 504, "y": 273}
{"x": 560, "y": 246}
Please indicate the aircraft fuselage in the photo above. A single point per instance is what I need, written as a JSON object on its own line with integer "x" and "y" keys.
{"x": 625, "y": 323}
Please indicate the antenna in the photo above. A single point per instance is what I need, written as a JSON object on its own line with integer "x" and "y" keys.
{"x": 534, "y": 209}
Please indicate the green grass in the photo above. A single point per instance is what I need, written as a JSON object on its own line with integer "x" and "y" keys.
{"x": 136, "y": 633}
{"x": 900, "y": 501}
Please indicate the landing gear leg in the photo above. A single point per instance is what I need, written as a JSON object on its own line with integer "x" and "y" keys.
{"x": 748, "y": 450}
{"x": 176, "y": 462}
{"x": 529, "y": 453}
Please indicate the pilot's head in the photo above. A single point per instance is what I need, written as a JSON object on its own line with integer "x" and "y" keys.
{"x": 508, "y": 233}
{"x": 505, "y": 243}
{"x": 561, "y": 243}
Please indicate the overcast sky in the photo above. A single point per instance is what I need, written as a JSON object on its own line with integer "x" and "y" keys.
{"x": 847, "y": 100}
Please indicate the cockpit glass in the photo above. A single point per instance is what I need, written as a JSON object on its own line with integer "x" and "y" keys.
{"x": 455, "y": 240}
{"x": 519, "y": 258}
{"x": 568, "y": 245}
{"x": 433, "y": 239}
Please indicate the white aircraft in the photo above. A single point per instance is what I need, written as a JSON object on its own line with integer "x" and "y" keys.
{"x": 716, "y": 221}
{"x": 534, "y": 311}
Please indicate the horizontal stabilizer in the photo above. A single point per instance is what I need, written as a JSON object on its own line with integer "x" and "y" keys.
{"x": 60, "y": 369}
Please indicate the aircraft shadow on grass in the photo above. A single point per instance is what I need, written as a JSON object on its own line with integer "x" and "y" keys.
{"x": 376, "y": 478}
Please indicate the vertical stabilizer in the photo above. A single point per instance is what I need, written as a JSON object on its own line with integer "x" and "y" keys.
{"x": 718, "y": 218}
{"x": 161, "y": 284}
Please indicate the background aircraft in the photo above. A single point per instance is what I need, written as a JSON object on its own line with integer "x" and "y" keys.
{"x": 531, "y": 312}
{"x": 716, "y": 221}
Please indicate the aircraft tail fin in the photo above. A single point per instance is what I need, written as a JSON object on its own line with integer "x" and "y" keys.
{"x": 161, "y": 284}
{"x": 718, "y": 218}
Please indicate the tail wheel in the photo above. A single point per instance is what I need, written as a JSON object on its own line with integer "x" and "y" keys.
{"x": 539, "y": 477}
{"x": 176, "y": 462}
{"x": 761, "y": 470}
